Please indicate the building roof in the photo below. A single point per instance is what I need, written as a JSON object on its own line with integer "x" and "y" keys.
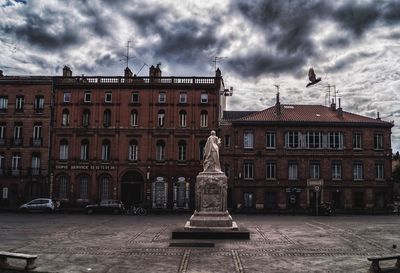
{"x": 233, "y": 115}
{"x": 308, "y": 114}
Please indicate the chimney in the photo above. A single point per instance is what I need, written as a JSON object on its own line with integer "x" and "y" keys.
{"x": 333, "y": 105}
{"x": 1, "y": 73}
{"x": 67, "y": 72}
{"x": 377, "y": 116}
{"x": 218, "y": 73}
{"x": 278, "y": 105}
{"x": 128, "y": 73}
{"x": 340, "y": 110}
{"x": 158, "y": 70}
{"x": 155, "y": 72}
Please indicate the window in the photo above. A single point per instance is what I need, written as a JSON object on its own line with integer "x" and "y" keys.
{"x": 248, "y": 140}
{"x": 67, "y": 96}
{"x": 248, "y": 199}
{"x": 135, "y": 97}
{"x": 378, "y": 141}
{"x": 292, "y": 140}
{"x": 39, "y": 104}
{"x": 314, "y": 140}
{"x": 64, "y": 149}
{"x": 3, "y": 103}
{"x": 108, "y": 97}
{"x": 133, "y": 150}
{"x": 84, "y": 150}
{"x": 37, "y": 131}
{"x": 18, "y": 131}
{"x": 160, "y": 151}
{"x": 62, "y": 192}
{"x": 19, "y": 104}
{"x": 105, "y": 150}
{"x": 107, "y": 118}
{"x": 314, "y": 170}
{"x": 335, "y": 140}
{"x": 2, "y": 130}
{"x": 227, "y": 141}
{"x": 83, "y": 187}
{"x": 358, "y": 171}
{"x": 182, "y": 118}
{"x": 270, "y": 140}
{"x": 162, "y": 97}
{"x": 161, "y": 118}
{"x": 293, "y": 171}
{"x": 379, "y": 171}
{"x": 16, "y": 162}
{"x": 203, "y": 119}
{"x": 204, "y": 98}
{"x": 182, "y": 150}
{"x": 134, "y": 118}
{"x": 87, "y": 96}
{"x": 35, "y": 164}
{"x": 65, "y": 118}
{"x": 86, "y": 118}
{"x": 271, "y": 171}
{"x": 202, "y": 144}
{"x": 336, "y": 170}
{"x": 248, "y": 170}
{"x": 182, "y": 97}
{"x": 357, "y": 140}
{"x": 104, "y": 188}
{"x": 2, "y": 162}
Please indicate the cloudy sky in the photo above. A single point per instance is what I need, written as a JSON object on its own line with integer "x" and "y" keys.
{"x": 354, "y": 45}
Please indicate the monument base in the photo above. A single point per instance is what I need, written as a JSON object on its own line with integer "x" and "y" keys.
{"x": 211, "y": 233}
{"x": 204, "y": 219}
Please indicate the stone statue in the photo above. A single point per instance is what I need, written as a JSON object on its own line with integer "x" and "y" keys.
{"x": 211, "y": 154}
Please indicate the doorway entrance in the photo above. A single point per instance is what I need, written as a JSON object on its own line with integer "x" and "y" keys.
{"x": 132, "y": 188}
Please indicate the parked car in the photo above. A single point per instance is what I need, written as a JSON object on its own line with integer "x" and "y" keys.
{"x": 40, "y": 204}
{"x": 106, "y": 206}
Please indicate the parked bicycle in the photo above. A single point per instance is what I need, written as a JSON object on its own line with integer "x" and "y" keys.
{"x": 136, "y": 211}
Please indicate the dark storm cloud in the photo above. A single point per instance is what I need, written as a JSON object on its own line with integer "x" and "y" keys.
{"x": 97, "y": 22}
{"x": 290, "y": 26}
{"x": 345, "y": 62}
{"x": 36, "y": 30}
{"x": 185, "y": 41}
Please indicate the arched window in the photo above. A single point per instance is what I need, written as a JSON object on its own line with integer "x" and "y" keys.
{"x": 182, "y": 150}
{"x": 83, "y": 187}
{"x": 133, "y": 150}
{"x": 64, "y": 149}
{"x": 63, "y": 186}
{"x": 134, "y": 118}
{"x": 104, "y": 188}
{"x": 161, "y": 118}
{"x": 160, "y": 156}
{"x": 65, "y": 117}
{"x": 85, "y": 150}
{"x": 107, "y": 118}
{"x": 105, "y": 150}
{"x": 202, "y": 144}
{"x": 86, "y": 118}
{"x": 182, "y": 118}
{"x": 203, "y": 119}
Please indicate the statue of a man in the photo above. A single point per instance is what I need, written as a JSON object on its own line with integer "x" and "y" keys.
{"x": 211, "y": 154}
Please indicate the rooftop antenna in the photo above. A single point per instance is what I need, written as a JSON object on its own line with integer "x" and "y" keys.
{"x": 335, "y": 92}
{"x": 216, "y": 60}
{"x": 127, "y": 57}
{"x": 144, "y": 64}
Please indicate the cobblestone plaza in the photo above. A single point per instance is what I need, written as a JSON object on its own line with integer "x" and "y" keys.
{"x": 121, "y": 243}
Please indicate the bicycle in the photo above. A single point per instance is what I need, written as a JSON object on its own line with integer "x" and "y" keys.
{"x": 136, "y": 211}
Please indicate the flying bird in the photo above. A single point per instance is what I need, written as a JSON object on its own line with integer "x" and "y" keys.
{"x": 313, "y": 79}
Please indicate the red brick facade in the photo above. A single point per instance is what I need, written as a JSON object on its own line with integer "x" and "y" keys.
{"x": 25, "y": 116}
{"x": 277, "y": 175}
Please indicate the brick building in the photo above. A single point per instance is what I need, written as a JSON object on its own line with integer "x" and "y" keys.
{"x": 279, "y": 158}
{"x": 137, "y": 139}
{"x": 25, "y": 115}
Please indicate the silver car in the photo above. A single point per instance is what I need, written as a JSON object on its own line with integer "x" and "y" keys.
{"x": 40, "y": 204}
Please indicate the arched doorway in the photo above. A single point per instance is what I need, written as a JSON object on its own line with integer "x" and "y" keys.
{"x": 132, "y": 188}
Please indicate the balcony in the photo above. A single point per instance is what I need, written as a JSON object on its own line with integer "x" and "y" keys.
{"x": 36, "y": 142}
{"x": 16, "y": 141}
{"x": 3, "y": 141}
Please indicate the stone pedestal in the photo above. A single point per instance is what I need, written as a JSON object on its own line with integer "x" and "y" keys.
{"x": 211, "y": 209}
